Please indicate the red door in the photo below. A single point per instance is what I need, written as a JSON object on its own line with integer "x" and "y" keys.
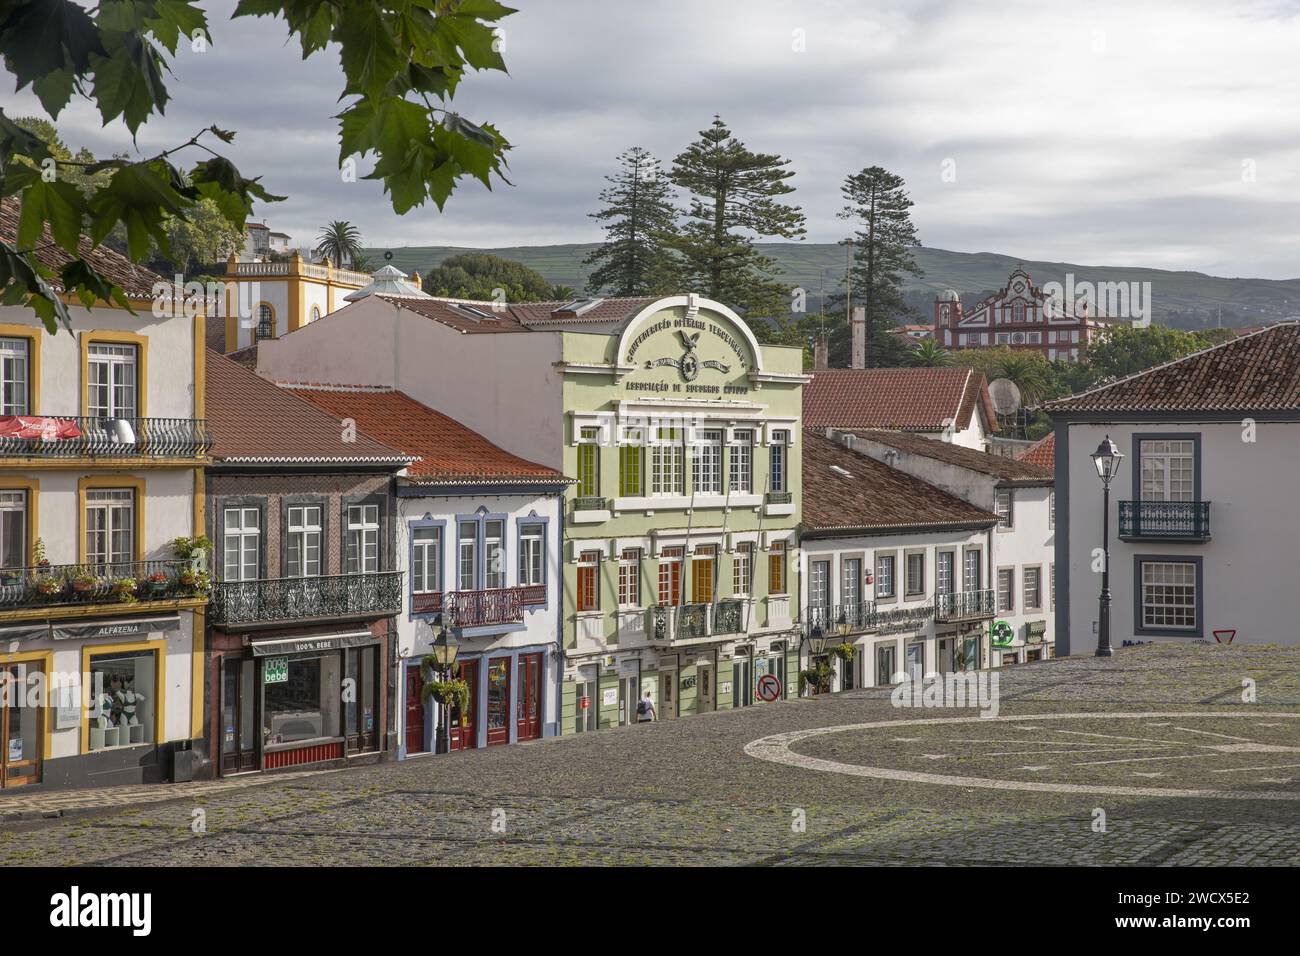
{"x": 414, "y": 710}
{"x": 463, "y": 733}
{"x": 529, "y": 703}
{"x": 498, "y": 701}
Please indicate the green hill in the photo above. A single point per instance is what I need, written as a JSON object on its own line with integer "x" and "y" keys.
{"x": 1187, "y": 299}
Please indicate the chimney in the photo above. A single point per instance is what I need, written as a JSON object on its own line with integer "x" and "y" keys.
{"x": 821, "y": 353}
{"x": 859, "y": 337}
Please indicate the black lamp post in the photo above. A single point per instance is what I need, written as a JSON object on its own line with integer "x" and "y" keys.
{"x": 1106, "y": 459}
{"x": 444, "y": 652}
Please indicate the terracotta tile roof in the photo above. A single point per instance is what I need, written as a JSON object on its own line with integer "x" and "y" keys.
{"x": 1258, "y": 372}
{"x": 914, "y": 399}
{"x": 136, "y": 280}
{"x": 999, "y": 466}
{"x": 253, "y": 421}
{"x": 1042, "y": 454}
{"x": 466, "y": 315}
{"x": 449, "y": 452}
{"x": 865, "y": 496}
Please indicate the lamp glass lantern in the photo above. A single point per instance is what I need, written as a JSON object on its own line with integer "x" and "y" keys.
{"x": 1106, "y": 459}
{"x": 444, "y": 646}
{"x": 817, "y": 641}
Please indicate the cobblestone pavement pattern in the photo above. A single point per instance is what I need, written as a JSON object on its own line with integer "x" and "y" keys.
{"x": 685, "y": 792}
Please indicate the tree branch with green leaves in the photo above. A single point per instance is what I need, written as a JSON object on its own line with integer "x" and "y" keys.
{"x": 402, "y": 61}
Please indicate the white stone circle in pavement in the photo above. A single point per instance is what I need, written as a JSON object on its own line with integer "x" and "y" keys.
{"x": 777, "y": 749}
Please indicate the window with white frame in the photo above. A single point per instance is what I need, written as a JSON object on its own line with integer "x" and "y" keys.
{"x": 777, "y": 460}
{"x": 1033, "y": 587}
{"x": 426, "y": 559}
{"x": 303, "y": 542}
{"x": 494, "y": 553}
{"x": 706, "y": 467}
{"x": 467, "y": 556}
{"x": 670, "y": 574}
{"x": 629, "y": 578}
{"x": 242, "y": 543}
{"x": 14, "y": 376}
{"x": 589, "y": 462}
{"x": 111, "y": 380}
{"x": 667, "y": 464}
{"x": 532, "y": 554}
{"x": 1003, "y": 508}
{"x": 741, "y": 480}
{"x": 13, "y": 529}
{"x": 1006, "y": 589}
{"x": 944, "y": 580}
{"x": 363, "y": 539}
{"x": 110, "y": 526}
{"x": 884, "y": 575}
{"x": 1169, "y": 595}
{"x": 851, "y": 582}
{"x": 1168, "y": 469}
{"x": 972, "y": 580}
{"x": 742, "y": 569}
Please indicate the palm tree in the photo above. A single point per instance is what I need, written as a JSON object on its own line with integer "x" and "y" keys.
{"x": 1029, "y": 372}
{"x": 930, "y": 354}
{"x": 339, "y": 240}
{"x": 362, "y": 263}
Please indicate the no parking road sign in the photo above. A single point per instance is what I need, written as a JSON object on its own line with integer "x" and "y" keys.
{"x": 769, "y": 687}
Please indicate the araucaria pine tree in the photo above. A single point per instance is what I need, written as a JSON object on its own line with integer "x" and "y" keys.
{"x": 735, "y": 198}
{"x": 883, "y": 243}
{"x": 639, "y": 219}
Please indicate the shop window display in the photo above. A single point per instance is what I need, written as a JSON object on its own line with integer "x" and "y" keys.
{"x": 124, "y": 711}
{"x": 302, "y": 701}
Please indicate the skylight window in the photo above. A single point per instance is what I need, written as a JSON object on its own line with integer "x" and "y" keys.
{"x": 842, "y": 472}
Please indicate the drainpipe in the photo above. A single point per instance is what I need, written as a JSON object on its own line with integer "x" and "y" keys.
{"x": 559, "y": 626}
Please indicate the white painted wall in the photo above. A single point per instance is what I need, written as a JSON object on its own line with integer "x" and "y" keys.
{"x": 170, "y": 362}
{"x": 489, "y": 382}
{"x": 1248, "y": 566}
{"x": 541, "y": 624}
{"x": 837, "y": 550}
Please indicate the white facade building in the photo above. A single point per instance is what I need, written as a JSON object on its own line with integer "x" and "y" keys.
{"x": 1202, "y": 523}
{"x": 1023, "y": 554}
{"x": 893, "y": 566}
{"x": 478, "y": 537}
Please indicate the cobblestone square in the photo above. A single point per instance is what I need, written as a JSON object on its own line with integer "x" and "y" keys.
{"x": 1191, "y": 776}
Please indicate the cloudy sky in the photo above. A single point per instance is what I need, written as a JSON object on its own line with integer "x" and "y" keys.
{"x": 1163, "y": 134}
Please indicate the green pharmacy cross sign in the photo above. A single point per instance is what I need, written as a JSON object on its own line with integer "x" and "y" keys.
{"x": 1002, "y": 634}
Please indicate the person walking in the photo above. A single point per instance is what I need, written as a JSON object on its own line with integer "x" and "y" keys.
{"x": 645, "y": 709}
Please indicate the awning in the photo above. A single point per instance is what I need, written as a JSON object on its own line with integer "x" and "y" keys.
{"x": 25, "y": 632}
{"x": 289, "y": 646}
{"x": 117, "y": 627}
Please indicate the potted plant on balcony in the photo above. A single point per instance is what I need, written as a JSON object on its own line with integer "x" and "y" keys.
{"x": 191, "y": 549}
{"x": 48, "y": 586}
{"x": 85, "y": 583}
{"x": 123, "y": 590}
{"x": 196, "y": 583}
{"x": 156, "y": 584}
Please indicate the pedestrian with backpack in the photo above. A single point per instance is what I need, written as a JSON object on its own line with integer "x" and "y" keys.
{"x": 645, "y": 709}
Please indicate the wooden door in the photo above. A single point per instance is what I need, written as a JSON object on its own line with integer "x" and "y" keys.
{"x": 463, "y": 729}
{"x": 22, "y": 730}
{"x": 528, "y": 705}
{"x": 415, "y": 710}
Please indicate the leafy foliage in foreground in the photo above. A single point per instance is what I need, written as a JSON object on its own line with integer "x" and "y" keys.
{"x": 397, "y": 58}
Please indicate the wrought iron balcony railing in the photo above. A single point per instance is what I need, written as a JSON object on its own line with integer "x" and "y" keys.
{"x": 836, "y": 618}
{"x": 685, "y": 622}
{"x": 273, "y": 600}
{"x": 1164, "y": 520}
{"x": 74, "y": 436}
{"x": 123, "y": 582}
{"x": 965, "y": 605}
{"x": 479, "y": 608}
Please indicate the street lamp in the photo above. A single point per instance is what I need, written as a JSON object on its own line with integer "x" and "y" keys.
{"x": 1106, "y": 458}
{"x": 444, "y": 653}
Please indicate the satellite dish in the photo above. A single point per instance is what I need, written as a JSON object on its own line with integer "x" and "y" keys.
{"x": 1006, "y": 396}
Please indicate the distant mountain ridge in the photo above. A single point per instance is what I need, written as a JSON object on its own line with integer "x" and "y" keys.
{"x": 1188, "y": 299}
